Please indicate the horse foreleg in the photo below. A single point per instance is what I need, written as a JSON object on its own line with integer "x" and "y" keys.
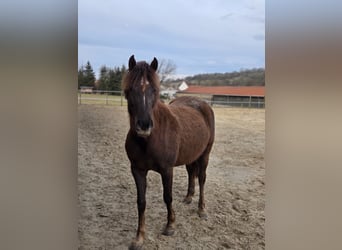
{"x": 167, "y": 177}
{"x": 140, "y": 182}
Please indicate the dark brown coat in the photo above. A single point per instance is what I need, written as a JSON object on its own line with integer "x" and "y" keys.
{"x": 163, "y": 136}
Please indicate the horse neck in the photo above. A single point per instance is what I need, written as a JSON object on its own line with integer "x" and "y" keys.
{"x": 161, "y": 113}
{"x": 157, "y": 109}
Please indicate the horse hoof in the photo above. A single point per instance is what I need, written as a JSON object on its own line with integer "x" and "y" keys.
{"x": 202, "y": 214}
{"x": 136, "y": 245}
{"x": 187, "y": 200}
{"x": 169, "y": 231}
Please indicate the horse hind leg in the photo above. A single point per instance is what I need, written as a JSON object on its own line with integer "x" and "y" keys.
{"x": 192, "y": 170}
{"x": 202, "y": 167}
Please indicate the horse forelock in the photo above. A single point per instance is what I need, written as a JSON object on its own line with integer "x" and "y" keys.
{"x": 140, "y": 76}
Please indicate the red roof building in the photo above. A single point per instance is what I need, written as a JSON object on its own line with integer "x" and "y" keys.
{"x": 241, "y": 96}
{"x": 226, "y": 90}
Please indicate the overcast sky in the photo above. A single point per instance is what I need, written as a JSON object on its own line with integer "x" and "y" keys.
{"x": 199, "y": 36}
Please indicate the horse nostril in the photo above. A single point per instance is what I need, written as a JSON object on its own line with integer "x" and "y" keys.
{"x": 144, "y": 124}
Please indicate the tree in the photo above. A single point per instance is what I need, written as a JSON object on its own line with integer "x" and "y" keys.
{"x": 115, "y": 78}
{"x": 165, "y": 69}
{"x": 111, "y": 78}
{"x": 104, "y": 78}
{"x": 246, "y": 77}
{"x": 80, "y": 76}
{"x": 87, "y": 75}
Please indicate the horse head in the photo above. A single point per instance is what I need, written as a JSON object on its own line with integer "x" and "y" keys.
{"x": 141, "y": 88}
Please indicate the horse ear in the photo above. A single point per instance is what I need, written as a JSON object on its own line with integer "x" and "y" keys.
{"x": 154, "y": 64}
{"x": 131, "y": 63}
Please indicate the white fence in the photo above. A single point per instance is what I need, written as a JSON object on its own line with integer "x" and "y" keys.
{"x": 117, "y": 98}
{"x": 250, "y": 103}
{"x": 102, "y": 97}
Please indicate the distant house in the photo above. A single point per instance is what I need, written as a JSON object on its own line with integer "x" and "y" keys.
{"x": 245, "y": 96}
{"x": 168, "y": 93}
{"x": 183, "y": 86}
{"x": 86, "y": 89}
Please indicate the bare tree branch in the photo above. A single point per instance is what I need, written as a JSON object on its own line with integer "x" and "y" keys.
{"x": 165, "y": 69}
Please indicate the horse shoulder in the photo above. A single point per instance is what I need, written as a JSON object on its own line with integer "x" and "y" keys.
{"x": 165, "y": 139}
{"x": 134, "y": 146}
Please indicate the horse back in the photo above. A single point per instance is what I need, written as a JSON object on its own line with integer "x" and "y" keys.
{"x": 199, "y": 105}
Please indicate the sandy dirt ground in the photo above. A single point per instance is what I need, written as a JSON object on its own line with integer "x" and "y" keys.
{"x": 234, "y": 190}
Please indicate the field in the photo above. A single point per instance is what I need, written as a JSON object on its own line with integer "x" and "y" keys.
{"x": 234, "y": 191}
{"x": 102, "y": 99}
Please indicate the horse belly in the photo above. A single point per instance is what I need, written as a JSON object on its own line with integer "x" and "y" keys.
{"x": 195, "y": 136}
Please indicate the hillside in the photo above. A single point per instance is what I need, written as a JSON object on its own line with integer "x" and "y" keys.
{"x": 248, "y": 77}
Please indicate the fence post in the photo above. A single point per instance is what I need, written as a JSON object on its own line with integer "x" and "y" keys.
{"x": 80, "y": 97}
{"x": 106, "y": 98}
{"x": 250, "y": 100}
{"x": 121, "y": 98}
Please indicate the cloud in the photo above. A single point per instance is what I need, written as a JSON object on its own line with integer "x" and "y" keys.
{"x": 227, "y": 16}
{"x": 191, "y": 33}
{"x": 259, "y": 37}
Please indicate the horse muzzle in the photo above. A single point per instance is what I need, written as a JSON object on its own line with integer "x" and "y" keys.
{"x": 144, "y": 129}
{"x": 144, "y": 133}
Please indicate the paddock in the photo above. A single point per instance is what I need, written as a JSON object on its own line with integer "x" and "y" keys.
{"x": 235, "y": 186}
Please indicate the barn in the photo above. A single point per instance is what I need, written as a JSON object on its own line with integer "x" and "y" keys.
{"x": 86, "y": 89}
{"x": 238, "y": 96}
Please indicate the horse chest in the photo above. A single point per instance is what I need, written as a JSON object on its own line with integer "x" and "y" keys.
{"x": 162, "y": 152}
{"x": 150, "y": 153}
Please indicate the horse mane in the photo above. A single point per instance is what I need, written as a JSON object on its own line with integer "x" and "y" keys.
{"x": 141, "y": 70}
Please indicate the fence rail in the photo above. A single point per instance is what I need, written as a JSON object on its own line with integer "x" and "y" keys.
{"x": 117, "y": 98}
{"x": 242, "y": 104}
{"x": 102, "y": 97}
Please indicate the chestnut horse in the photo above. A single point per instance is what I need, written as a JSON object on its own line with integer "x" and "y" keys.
{"x": 163, "y": 136}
